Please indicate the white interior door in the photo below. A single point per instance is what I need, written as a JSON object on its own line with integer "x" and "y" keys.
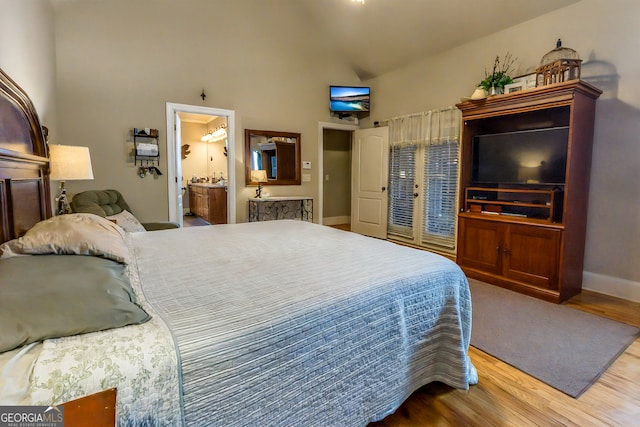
{"x": 178, "y": 181}
{"x": 370, "y": 176}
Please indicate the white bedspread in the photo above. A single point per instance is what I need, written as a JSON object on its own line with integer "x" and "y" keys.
{"x": 291, "y": 323}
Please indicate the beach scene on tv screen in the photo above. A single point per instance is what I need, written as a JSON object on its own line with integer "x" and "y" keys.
{"x": 349, "y": 98}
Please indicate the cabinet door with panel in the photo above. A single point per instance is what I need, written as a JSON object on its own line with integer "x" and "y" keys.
{"x": 197, "y": 202}
{"x": 479, "y": 245}
{"x": 192, "y": 201}
{"x": 217, "y": 205}
{"x": 531, "y": 255}
{"x": 520, "y": 253}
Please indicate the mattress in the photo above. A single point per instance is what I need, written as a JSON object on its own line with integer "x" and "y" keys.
{"x": 292, "y": 323}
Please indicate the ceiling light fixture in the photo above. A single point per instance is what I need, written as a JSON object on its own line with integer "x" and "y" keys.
{"x": 214, "y": 135}
{"x": 358, "y": 1}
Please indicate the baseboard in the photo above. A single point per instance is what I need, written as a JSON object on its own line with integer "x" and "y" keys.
{"x": 336, "y": 220}
{"x": 613, "y": 286}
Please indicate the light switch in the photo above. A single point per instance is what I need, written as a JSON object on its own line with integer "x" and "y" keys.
{"x": 306, "y": 165}
{"x": 326, "y": 177}
{"x": 306, "y": 177}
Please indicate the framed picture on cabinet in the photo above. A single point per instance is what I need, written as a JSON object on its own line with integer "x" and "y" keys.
{"x": 528, "y": 80}
{"x": 514, "y": 87}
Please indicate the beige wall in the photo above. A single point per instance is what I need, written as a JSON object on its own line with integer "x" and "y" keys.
{"x": 119, "y": 62}
{"x": 216, "y": 160}
{"x": 606, "y": 35}
{"x": 336, "y": 159}
{"x": 196, "y": 161}
{"x": 27, "y": 53}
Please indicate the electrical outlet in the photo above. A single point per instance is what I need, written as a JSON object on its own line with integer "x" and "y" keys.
{"x": 306, "y": 177}
{"x": 306, "y": 165}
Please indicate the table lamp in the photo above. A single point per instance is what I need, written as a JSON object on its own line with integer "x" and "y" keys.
{"x": 68, "y": 163}
{"x": 259, "y": 176}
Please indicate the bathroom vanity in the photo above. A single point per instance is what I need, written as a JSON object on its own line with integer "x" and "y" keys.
{"x": 209, "y": 202}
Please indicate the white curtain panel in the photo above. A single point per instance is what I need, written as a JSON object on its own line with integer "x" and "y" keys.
{"x": 426, "y": 128}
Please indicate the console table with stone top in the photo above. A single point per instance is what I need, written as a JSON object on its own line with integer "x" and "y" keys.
{"x": 288, "y": 207}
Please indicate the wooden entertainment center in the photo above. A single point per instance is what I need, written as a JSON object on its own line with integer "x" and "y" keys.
{"x": 528, "y": 234}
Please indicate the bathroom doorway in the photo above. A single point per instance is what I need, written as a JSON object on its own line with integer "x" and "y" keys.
{"x": 204, "y": 167}
{"x": 205, "y": 138}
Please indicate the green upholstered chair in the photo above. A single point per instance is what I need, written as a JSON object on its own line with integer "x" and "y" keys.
{"x": 110, "y": 202}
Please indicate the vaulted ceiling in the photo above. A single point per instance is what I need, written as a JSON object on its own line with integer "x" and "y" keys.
{"x": 378, "y": 36}
{"x": 381, "y": 35}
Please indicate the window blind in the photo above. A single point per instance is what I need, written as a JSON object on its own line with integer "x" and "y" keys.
{"x": 432, "y": 140}
{"x": 402, "y": 168}
{"x": 440, "y": 194}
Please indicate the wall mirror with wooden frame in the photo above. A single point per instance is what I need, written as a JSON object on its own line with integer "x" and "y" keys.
{"x": 277, "y": 153}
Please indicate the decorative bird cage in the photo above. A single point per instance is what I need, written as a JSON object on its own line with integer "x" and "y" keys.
{"x": 558, "y": 65}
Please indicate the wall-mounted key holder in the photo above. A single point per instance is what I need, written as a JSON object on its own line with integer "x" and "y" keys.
{"x": 145, "y": 170}
{"x": 146, "y": 149}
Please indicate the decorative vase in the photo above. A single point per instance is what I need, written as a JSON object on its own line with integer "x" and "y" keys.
{"x": 494, "y": 90}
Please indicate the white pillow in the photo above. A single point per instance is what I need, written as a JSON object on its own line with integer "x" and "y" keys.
{"x": 127, "y": 221}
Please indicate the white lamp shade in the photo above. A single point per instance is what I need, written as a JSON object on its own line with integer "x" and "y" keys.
{"x": 68, "y": 163}
{"x": 259, "y": 175}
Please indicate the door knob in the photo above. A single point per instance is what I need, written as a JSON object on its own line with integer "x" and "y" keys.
{"x": 415, "y": 195}
{"x": 384, "y": 188}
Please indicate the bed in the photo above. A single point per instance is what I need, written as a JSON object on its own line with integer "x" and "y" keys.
{"x": 266, "y": 323}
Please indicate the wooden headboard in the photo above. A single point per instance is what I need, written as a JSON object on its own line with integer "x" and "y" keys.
{"x": 25, "y": 197}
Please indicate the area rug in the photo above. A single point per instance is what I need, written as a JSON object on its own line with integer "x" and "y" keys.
{"x": 561, "y": 346}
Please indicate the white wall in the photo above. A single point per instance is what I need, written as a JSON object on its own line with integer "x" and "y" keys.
{"x": 606, "y": 34}
{"x": 120, "y": 61}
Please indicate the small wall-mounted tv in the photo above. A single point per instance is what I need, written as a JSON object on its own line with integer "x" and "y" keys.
{"x": 349, "y": 99}
{"x": 524, "y": 157}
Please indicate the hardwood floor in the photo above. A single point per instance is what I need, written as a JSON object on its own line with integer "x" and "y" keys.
{"x": 506, "y": 396}
{"x": 345, "y": 227}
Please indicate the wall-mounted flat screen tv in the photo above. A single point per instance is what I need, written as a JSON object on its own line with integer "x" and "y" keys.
{"x": 523, "y": 157}
{"x": 349, "y": 99}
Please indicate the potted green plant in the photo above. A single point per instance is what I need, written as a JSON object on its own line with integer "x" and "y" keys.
{"x": 495, "y": 81}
